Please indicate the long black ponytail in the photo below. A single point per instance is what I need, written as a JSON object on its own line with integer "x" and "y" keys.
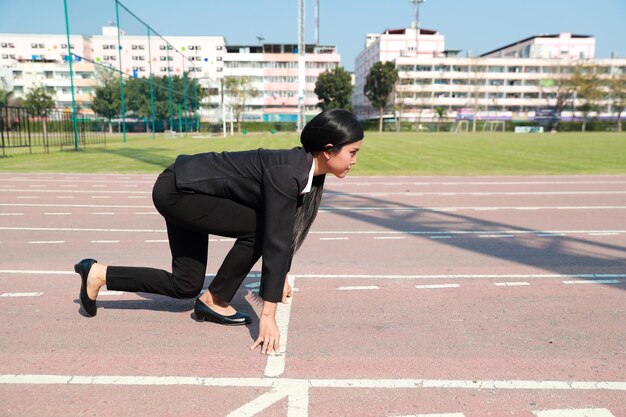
{"x": 337, "y": 127}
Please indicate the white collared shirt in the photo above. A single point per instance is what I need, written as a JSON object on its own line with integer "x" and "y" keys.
{"x": 309, "y": 183}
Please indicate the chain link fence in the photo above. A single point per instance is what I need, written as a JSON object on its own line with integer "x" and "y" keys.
{"x": 22, "y": 132}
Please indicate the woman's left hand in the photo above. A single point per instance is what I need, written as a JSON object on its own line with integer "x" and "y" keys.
{"x": 269, "y": 336}
{"x": 287, "y": 291}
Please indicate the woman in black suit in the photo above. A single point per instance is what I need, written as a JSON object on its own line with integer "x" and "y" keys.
{"x": 266, "y": 199}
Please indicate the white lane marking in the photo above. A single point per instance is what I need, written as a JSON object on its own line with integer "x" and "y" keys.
{"x": 581, "y": 412}
{"x": 334, "y": 238}
{"x": 157, "y": 241}
{"x": 473, "y": 193}
{"x": 69, "y": 185}
{"x": 66, "y": 196}
{"x": 436, "y": 415}
{"x": 80, "y": 191}
{"x": 436, "y": 286}
{"x": 494, "y": 236}
{"x": 332, "y": 209}
{"x": 441, "y": 237}
{"x": 27, "y": 196}
{"x": 603, "y": 234}
{"x": 463, "y": 276}
{"x": 58, "y": 214}
{"x": 10, "y": 379}
{"x": 389, "y": 237}
{"x": 596, "y": 281}
{"x": 510, "y": 284}
{"x": 21, "y": 294}
{"x": 595, "y": 277}
{"x": 109, "y": 293}
{"x": 101, "y": 196}
{"x": 105, "y": 241}
{"x": 478, "y": 208}
{"x": 550, "y": 234}
{"x": 46, "y": 241}
{"x": 148, "y": 180}
{"x": 297, "y": 393}
{"x": 463, "y": 232}
{"x": 11, "y": 214}
{"x": 276, "y": 362}
{"x": 345, "y": 232}
{"x": 103, "y": 213}
{"x": 73, "y": 205}
{"x": 72, "y": 229}
{"x": 358, "y": 288}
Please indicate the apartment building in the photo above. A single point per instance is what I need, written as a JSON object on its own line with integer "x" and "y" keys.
{"x": 273, "y": 71}
{"x": 509, "y": 83}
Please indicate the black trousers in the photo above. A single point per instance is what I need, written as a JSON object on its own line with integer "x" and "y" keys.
{"x": 190, "y": 219}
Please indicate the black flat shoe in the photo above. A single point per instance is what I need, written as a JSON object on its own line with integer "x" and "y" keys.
{"x": 82, "y": 268}
{"x": 203, "y": 312}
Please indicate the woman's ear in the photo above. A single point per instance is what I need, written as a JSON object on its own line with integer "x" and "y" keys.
{"x": 327, "y": 149}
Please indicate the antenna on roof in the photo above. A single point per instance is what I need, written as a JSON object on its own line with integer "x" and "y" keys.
{"x": 260, "y": 38}
{"x": 416, "y": 3}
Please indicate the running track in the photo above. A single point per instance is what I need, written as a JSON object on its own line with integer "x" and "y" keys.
{"x": 415, "y": 296}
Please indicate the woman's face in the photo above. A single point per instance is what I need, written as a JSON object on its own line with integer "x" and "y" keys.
{"x": 339, "y": 163}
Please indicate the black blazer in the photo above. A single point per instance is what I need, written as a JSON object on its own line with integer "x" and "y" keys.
{"x": 269, "y": 181}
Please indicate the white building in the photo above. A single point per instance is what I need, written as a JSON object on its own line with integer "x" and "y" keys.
{"x": 508, "y": 83}
{"x": 273, "y": 71}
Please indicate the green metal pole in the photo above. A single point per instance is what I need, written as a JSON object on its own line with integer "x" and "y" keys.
{"x": 119, "y": 54}
{"x": 151, "y": 82}
{"x": 197, "y": 108}
{"x": 69, "y": 58}
{"x": 185, "y": 97}
{"x": 169, "y": 85}
{"x": 180, "y": 120}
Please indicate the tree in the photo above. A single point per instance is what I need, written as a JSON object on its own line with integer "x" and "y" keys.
{"x": 334, "y": 89}
{"x": 379, "y": 85}
{"x": 239, "y": 90}
{"x": 106, "y": 101}
{"x": 587, "y": 86}
{"x": 40, "y": 103}
{"x": 558, "y": 91}
{"x": 441, "y": 115}
{"x": 617, "y": 92}
{"x": 5, "y": 96}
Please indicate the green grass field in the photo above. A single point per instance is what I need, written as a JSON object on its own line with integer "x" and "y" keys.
{"x": 381, "y": 154}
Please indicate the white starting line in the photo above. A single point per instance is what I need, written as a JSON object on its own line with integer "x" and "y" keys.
{"x": 297, "y": 390}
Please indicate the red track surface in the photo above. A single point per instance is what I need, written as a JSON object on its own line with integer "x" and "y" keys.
{"x": 526, "y": 316}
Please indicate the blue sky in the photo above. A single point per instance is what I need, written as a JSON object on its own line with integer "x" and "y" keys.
{"x": 477, "y": 26}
